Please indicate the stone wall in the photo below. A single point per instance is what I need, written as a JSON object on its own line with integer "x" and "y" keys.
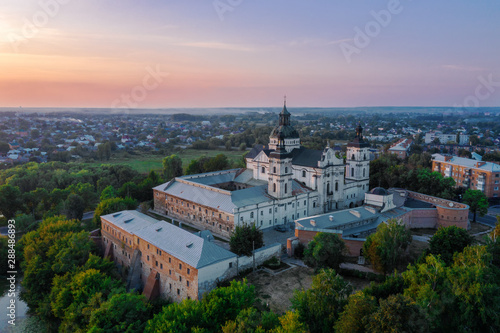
{"x": 261, "y": 255}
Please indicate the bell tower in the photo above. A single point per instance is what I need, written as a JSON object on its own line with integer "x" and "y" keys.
{"x": 358, "y": 159}
{"x": 280, "y": 171}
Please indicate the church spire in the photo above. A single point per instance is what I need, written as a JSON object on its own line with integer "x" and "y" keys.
{"x": 284, "y": 115}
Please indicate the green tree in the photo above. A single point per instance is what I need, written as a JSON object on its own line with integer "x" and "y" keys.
{"x": 108, "y": 193}
{"x": 320, "y": 306}
{"x": 10, "y": 201}
{"x": 172, "y": 167}
{"x": 75, "y": 296}
{"x": 125, "y": 312}
{"x": 245, "y": 238}
{"x": 74, "y": 206}
{"x": 326, "y": 250}
{"x": 356, "y": 313}
{"x": 208, "y": 315}
{"x": 251, "y": 320}
{"x": 4, "y": 147}
{"x": 112, "y": 205}
{"x": 449, "y": 240}
{"x": 477, "y": 202}
{"x": 386, "y": 247}
{"x": 398, "y": 313}
{"x": 290, "y": 323}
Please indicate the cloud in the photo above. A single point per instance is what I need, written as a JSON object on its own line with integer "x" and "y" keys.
{"x": 463, "y": 68}
{"x": 218, "y": 46}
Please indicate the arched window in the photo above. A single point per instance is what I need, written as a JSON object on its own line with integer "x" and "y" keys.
{"x": 364, "y": 157}
{"x": 274, "y": 187}
{"x": 336, "y": 186}
{"x": 352, "y": 172}
{"x": 303, "y": 173}
{"x": 328, "y": 188}
{"x": 263, "y": 170}
{"x": 285, "y": 187}
{"x": 274, "y": 169}
{"x": 352, "y": 156}
{"x": 364, "y": 172}
{"x": 286, "y": 170}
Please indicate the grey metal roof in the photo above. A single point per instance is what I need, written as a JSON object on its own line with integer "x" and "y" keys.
{"x": 187, "y": 247}
{"x": 306, "y": 157}
{"x": 255, "y": 151}
{"x": 467, "y": 162}
{"x": 201, "y": 195}
{"x": 130, "y": 220}
{"x": 250, "y": 196}
{"x": 246, "y": 177}
{"x": 211, "y": 178}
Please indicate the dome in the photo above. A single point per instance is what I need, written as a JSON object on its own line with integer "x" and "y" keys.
{"x": 284, "y": 132}
{"x": 379, "y": 191}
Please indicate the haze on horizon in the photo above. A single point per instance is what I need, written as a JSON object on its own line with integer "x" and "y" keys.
{"x": 240, "y": 53}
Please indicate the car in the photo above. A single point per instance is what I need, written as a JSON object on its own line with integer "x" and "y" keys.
{"x": 280, "y": 228}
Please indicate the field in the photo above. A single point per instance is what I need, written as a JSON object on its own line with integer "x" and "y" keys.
{"x": 144, "y": 163}
{"x": 276, "y": 291}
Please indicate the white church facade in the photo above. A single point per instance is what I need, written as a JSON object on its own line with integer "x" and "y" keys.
{"x": 282, "y": 182}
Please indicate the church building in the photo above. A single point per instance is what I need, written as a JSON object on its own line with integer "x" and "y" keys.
{"x": 282, "y": 182}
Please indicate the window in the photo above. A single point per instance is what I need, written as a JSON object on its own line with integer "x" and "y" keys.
{"x": 314, "y": 204}
{"x": 353, "y": 156}
{"x": 364, "y": 172}
{"x": 178, "y": 291}
{"x": 263, "y": 170}
{"x": 220, "y": 216}
{"x": 336, "y": 186}
{"x": 270, "y": 210}
{"x": 187, "y": 283}
{"x": 230, "y": 264}
{"x": 170, "y": 286}
{"x": 286, "y": 170}
{"x": 352, "y": 172}
{"x": 169, "y": 260}
{"x": 148, "y": 246}
{"x": 161, "y": 266}
{"x": 189, "y": 271}
{"x": 251, "y": 215}
{"x": 156, "y": 263}
{"x": 180, "y": 266}
{"x": 274, "y": 187}
{"x": 180, "y": 278}
{"x": 170, "y": 273}
{"x": 285, "y": 189}
{"x": 274, "y": 169}
{"x": 305, "y": 202}
{"x": 261, "y": 212}
{"x": 148, "y": 257}
{"x": 303, "y": 173}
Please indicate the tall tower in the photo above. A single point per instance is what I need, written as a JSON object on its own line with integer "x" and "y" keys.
{"x": 280, "y": 171}
{"x": 289, "y": 135}
{"x": 358, "y": 160}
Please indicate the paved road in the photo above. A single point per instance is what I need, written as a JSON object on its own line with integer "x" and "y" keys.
{"x": 488, "y": 220}
{"x": 88, "y": 215}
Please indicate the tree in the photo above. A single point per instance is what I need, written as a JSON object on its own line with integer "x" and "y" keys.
{"x": 74, "y": 207}
{"x": 108, "y": 193}
{"x": 112, "y": 205}
{"x": 10, "y": 201}
{"x": 125, "y": 312}
{"x": 290, "y": 323}
{"x": 172, "y": 167}
{"x": 4, "y": 147}
{"x": 449, "y": 240}
{"x": 355, "y": 315}
{"x": 477, "y": 202}
{"x": 320, "y": 306}
{"x": 386, "y": 247}
{"x": 75, "y": 296}
{"x": 325, "y": 250}
{"x": 208, "y": 315}
{"x": 245, "y": 238}
{"x": 251, "y": 320}
{"x": 398, "y": 313}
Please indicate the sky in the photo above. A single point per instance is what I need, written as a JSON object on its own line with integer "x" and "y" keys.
{"x": 249, "y": 53}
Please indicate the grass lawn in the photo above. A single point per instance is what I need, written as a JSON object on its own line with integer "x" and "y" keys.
{"x": 144, "y": 163}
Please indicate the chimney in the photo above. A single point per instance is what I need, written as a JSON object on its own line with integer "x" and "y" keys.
{"x": 313, "y": 223}
{"x": 330, "y": 217}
